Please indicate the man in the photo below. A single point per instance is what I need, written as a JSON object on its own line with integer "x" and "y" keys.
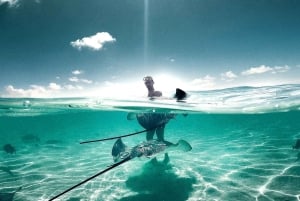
{"x": 154, "y": 122}
{"x": 148, "y": 80}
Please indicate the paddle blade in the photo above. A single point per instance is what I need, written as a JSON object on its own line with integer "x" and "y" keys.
{"x": 180, "y": 94}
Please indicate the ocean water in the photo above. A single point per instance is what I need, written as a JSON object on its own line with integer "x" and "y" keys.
{"x": 242, "y": 142}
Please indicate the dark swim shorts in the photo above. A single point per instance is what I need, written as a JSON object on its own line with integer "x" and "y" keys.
{"x": 152, "y": 119}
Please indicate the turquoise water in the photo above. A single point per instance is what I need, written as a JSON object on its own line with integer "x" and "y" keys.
{"x": 242, "y": 142}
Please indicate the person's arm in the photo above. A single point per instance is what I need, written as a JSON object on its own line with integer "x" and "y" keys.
{"x": 157, "y": 93}
{"x": 153, "y": 94}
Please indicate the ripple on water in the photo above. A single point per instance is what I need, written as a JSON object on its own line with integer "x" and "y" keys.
{"x": 237, "y": 195}
{"x": 286, "y": 184}
{"x": 276, "y": 196}
{"x": 294, "y": 171}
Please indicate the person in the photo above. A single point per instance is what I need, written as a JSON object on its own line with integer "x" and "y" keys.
{"x": 154, "y": 122}
{"x": 148, "y": 81}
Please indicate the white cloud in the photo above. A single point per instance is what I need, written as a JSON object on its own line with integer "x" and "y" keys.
{"x": 33, "y": 91}
{"x": 54, "y": 86}
{"x": 86, "y": 81}
{"x": 228, "y": 76}
{"x": 257, "y": 70}
{"x": 205, "y": 83}
{"x": 77, "y": 72}
{"x": 264, "y": 69}
{"x": 14, "y": 3}
{"x": 38, "y": 91}
{"x": 76, "y": 79}
{"x": 281, "y": 69}
{"x": 10, "y": 2}
{"x": 73, "y": 87}
{"x": 94, "y": 42}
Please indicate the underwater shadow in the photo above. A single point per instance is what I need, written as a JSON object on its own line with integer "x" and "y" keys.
{"x": 157, "y": 181}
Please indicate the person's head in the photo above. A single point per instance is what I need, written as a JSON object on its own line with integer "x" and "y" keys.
{"x": 148, "y": 80}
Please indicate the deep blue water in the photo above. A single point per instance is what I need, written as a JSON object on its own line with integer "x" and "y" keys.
{"x": 242, "y": 148}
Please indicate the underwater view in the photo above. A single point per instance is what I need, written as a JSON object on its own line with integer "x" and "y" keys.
{"x": 149, "y": 100}
{"x": 244, "y": 147}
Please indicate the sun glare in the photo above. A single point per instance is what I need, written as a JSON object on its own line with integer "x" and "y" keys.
{"x": 167, "y": 83}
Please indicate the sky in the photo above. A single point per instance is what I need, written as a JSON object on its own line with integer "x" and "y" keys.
{"x": 58, "y": 48}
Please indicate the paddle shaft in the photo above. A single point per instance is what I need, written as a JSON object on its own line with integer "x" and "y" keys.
{"x": 92, "y": 177}
{"x": 111, "y": 138}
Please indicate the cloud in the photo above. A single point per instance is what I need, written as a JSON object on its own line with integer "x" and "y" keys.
{"x": 228, "y": 76}
{"x": 73, "y": 87}
{"x": 281, "y": 69}
{"x": 76, "y": 79}
{"x": 257, "y": 70}
{"x": 77, "y": 72}
{"x": 94, "y": 42}
{"x": 205, "y": 83}
{"x": 86, "y": 81}
{"x": 11, "y": 3}
{"x": 38, "y": 91}
{"x": 54, "y": 86}
{"x": 33, "y": 91}
{"x": 79, "y": 80}
{"x": 14, "y": 3}
{"x": 264, "y": 69}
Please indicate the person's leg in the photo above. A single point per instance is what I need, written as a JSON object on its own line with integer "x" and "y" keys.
{"x": 160, "y": 135}
{"x": 160, "y": 132}
{"x": 150, "y": 135}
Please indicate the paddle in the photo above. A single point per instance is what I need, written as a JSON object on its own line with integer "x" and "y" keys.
{"x": 111, "y": 138}
{"x": 92, "y": 177}
{"x": 127, "y": 135}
